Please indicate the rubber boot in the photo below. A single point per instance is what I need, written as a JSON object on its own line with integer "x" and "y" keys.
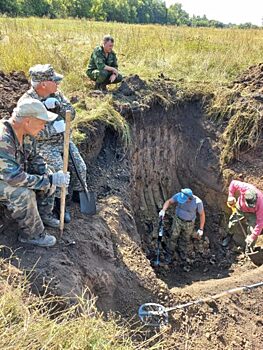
{"x": 67, "y": 217}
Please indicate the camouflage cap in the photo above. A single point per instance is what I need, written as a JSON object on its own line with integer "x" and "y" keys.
{"x": 44, "y": 72}
{"x": 30, "y": 107}
{"x": 251, "y": 198}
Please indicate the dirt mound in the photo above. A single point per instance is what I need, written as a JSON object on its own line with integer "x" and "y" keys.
{"x": 12, "y": 87}
{"x": 131, "y": 85}
{"x": 252, "y": 79}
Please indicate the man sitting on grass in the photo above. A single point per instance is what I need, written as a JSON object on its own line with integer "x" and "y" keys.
{"x": 103, "y": 65}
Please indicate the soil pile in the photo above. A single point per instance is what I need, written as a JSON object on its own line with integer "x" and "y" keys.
{"x": 12, "y": 86}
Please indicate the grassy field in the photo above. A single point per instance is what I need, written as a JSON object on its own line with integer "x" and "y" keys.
{"x": 193, "y": 54}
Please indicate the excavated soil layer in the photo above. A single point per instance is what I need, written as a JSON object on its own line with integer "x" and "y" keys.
{"x": 172, "y": 146}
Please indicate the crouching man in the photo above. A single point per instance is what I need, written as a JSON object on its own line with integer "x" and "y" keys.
{"x": 183, "y": 230}
{"x": 28, "y": 195}
{"x": 103, "y": 65}
{"x": 249, "y": 209}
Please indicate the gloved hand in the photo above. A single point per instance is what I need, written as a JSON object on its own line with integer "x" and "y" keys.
{"x": 162, "y": 213}
{"x": 59, "y": 126}
{"x": 60, "y": 179}
{"x": 231, "y": 201}
{"x": 249, "y": 240}
{"x": 51, "y": 103}
{"x": 200, "y": 233}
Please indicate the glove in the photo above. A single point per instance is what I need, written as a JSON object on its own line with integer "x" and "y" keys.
{"x": 162, "y": 213}
{"x": 59, "y": 126}
{"x": 249, "y": 240}
{"x": 200, "y": 233}
{"x": 51, "y": 103}
{"x": 60, "y": 179}
{"x": 231, "y": 201}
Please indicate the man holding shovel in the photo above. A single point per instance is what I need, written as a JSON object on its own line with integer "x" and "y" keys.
{"x": 249, "y": 207}
{"x": 27, "y": 185}
{"x": 44, "y": 82}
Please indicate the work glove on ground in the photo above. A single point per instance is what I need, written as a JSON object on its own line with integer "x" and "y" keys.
{"x": 51, "y": 103}
{"x": 60, "y": 179}
{"x": 162, "y": 213}
{"x": 249, "y": 240}
{"x": 59, "y": 126}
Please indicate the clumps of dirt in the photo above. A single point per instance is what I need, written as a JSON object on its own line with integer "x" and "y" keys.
{"x": 131, "y": 85}
{"x": 12, "y": 87}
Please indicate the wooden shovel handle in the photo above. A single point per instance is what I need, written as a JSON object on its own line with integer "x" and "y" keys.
{"x": 65, "y": 169}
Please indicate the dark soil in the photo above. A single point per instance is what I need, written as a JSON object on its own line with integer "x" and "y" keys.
{"x": 173, "y": 146}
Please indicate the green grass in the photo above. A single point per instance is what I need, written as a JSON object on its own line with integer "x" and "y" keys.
{"x": 199, "y": 59}
{"x": 192, "y": 54}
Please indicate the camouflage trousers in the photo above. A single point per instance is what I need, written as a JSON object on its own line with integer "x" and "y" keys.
{"x": 182, "y": 239}
{"x": 26, "y": 207}
{"x": 103, "y": 77}
{"x": 247, "y": 220}
{"x": 53, "y": 155}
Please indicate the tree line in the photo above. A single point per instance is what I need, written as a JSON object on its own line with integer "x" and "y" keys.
{"x": 126, "y": 11}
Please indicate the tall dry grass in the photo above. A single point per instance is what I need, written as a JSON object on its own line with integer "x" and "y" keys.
{"x": 193, "y": 54}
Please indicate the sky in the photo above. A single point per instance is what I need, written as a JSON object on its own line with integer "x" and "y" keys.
{"x": 234, "y": 11}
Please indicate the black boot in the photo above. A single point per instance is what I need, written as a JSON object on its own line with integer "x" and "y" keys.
{"x": 67, "y": 217}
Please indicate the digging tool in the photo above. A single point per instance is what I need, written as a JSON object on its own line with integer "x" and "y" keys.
{"x": 159, "y": 240}
{"x": 65, "y": 169}
{"x": 156, "y": 315}
{"x": 256, "y": 254}
{"x": 234, "y": 212}
{"x": 87, "y": 198}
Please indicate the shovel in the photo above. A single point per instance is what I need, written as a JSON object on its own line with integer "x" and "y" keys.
{"x": 65, "y": 169}
{"x": 87, "y": 198}
{"x": 160, "y": 236}
{"x": 256, "y": 255}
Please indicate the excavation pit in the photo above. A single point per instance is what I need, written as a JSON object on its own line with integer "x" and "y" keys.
{"x": 173, "y": 145}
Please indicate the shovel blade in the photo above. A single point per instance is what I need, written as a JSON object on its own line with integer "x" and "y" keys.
{"x": 256, "y": 256}
{"x": 87, "y": 202}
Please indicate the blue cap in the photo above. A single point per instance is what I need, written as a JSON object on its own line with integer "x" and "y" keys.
{"x": 188, "y": 192}
{"x": 183, "y": 196}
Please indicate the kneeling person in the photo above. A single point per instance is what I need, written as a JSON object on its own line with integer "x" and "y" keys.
{"x": 187, "y": 205}
{"x": 27, "y": 195}
{"x": 103, "y": 65}
{"x": 249, "y": 209}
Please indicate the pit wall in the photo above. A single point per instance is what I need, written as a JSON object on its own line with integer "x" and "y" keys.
{"x": 174, "y": 149}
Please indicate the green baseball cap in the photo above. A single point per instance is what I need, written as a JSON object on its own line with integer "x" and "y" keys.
{"x": 30, "y": 107}
{"x": 44, "y": 72}
{"x": 251, "y": 198}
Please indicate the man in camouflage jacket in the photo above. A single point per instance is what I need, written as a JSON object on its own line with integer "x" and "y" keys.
{"x": 26, "y": 184}
{"x": 44, "y": 81}
{"x": 103, "y": 65}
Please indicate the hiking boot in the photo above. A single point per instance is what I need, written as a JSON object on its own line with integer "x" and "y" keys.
{"x": 49, "y": 220}
{"x": 227, "y": 240}
{"x": 103, "y": 88}
{"x": 43, "y": 240}
{"x": 97, "y": 86}
{"x": 67, "y": 217}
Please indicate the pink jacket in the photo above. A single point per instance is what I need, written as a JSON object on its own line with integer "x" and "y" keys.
{"x": 242, "y": 187}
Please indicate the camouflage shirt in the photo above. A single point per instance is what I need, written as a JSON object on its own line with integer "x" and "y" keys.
{"x": 49, "y": 133}
{"x": 98, "y": 59}
{"x": 15, "y": 160}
